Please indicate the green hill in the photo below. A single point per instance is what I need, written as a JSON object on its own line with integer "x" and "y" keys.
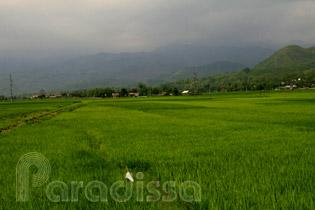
{"x": 290, "y": 65}
{"x": 290, "y": 59}
{"x": 290, "y": 56}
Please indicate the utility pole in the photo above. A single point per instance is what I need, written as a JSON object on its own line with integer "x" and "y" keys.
{"x": 11, "y": 86}
{"x": 87, "y": 93}
{"x": 195, "y": 89}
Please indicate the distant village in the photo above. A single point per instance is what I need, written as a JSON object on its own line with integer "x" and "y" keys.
{"x": 105, "y": 95}
{"x": 164, "y": 90}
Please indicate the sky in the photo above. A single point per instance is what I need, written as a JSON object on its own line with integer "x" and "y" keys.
{"x": 37, "y": 28}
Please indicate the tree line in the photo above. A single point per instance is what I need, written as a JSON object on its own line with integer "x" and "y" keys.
{"x": 141, "y": 89}
{"x": 243, "y": 80}
{"x": 236, "y": 81}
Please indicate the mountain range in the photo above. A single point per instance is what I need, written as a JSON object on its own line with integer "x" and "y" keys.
{"x": 127, "y": 69}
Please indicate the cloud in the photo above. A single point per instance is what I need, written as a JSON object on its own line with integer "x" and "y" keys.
{"x": 49, "y": 27}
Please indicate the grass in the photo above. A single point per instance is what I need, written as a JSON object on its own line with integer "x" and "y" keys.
{"x": 245, "y": 151}
{"x": 12, "y": 114}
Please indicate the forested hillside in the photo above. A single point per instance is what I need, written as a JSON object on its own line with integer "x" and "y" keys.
{"x": 292, "y": 65}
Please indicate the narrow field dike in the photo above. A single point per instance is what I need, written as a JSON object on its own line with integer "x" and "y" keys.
{"x": 27, "y": 116}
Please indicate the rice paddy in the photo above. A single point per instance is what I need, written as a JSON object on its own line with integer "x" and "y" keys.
{"x": 246, "y": 151}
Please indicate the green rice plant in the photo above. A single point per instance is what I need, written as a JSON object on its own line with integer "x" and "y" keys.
{"x": 244, "y": 150}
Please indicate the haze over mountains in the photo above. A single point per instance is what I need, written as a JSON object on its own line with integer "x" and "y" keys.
{"x": 127, "y": 69}
{"x": 56, "y": 45}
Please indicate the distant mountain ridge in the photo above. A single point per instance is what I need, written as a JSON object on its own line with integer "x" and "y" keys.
{"x": 117, "y": 70}
{"x": 218, "y": 67}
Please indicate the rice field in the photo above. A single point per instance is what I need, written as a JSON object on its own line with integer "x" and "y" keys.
{"x": 245, "y": 151}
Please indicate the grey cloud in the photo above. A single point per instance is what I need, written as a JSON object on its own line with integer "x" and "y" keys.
{"x": 47, "y": 27}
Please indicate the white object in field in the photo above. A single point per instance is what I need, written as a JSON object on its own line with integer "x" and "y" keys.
{"x": 129, "y": 177}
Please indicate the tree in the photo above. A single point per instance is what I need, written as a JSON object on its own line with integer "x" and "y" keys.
{"x": 165, "y": 88}
{"x": 207, "y": 87}
{"x": 246, "y": 70}
{"x": 155, "y": 91}
{"x": 143, "y": 90}
{"x": 76, "y": 93}
{"x": 123, "y": 92}
{"x": 310, "y": 79}
{"x": 175, "y": 91}
{"x": 42, "y": 93}
{"x": 108, "y": 92}
{"x": 3, "y": 98}
{"x": 64, "y": 94}
{"x": 134, "y": 90}
{"x": 261, "y": 86}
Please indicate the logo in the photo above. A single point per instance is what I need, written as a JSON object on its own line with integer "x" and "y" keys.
{"x": 97, "y": 191}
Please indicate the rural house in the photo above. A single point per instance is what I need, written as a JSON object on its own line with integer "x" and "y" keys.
{"x": 115, "y": 95}
{"x": 186, "y": 92}
{"x": 163, "y": 94}
{"x": 133, "y": 94}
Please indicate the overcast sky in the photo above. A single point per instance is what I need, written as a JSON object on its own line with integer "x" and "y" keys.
{"x": 43, "y": 27}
